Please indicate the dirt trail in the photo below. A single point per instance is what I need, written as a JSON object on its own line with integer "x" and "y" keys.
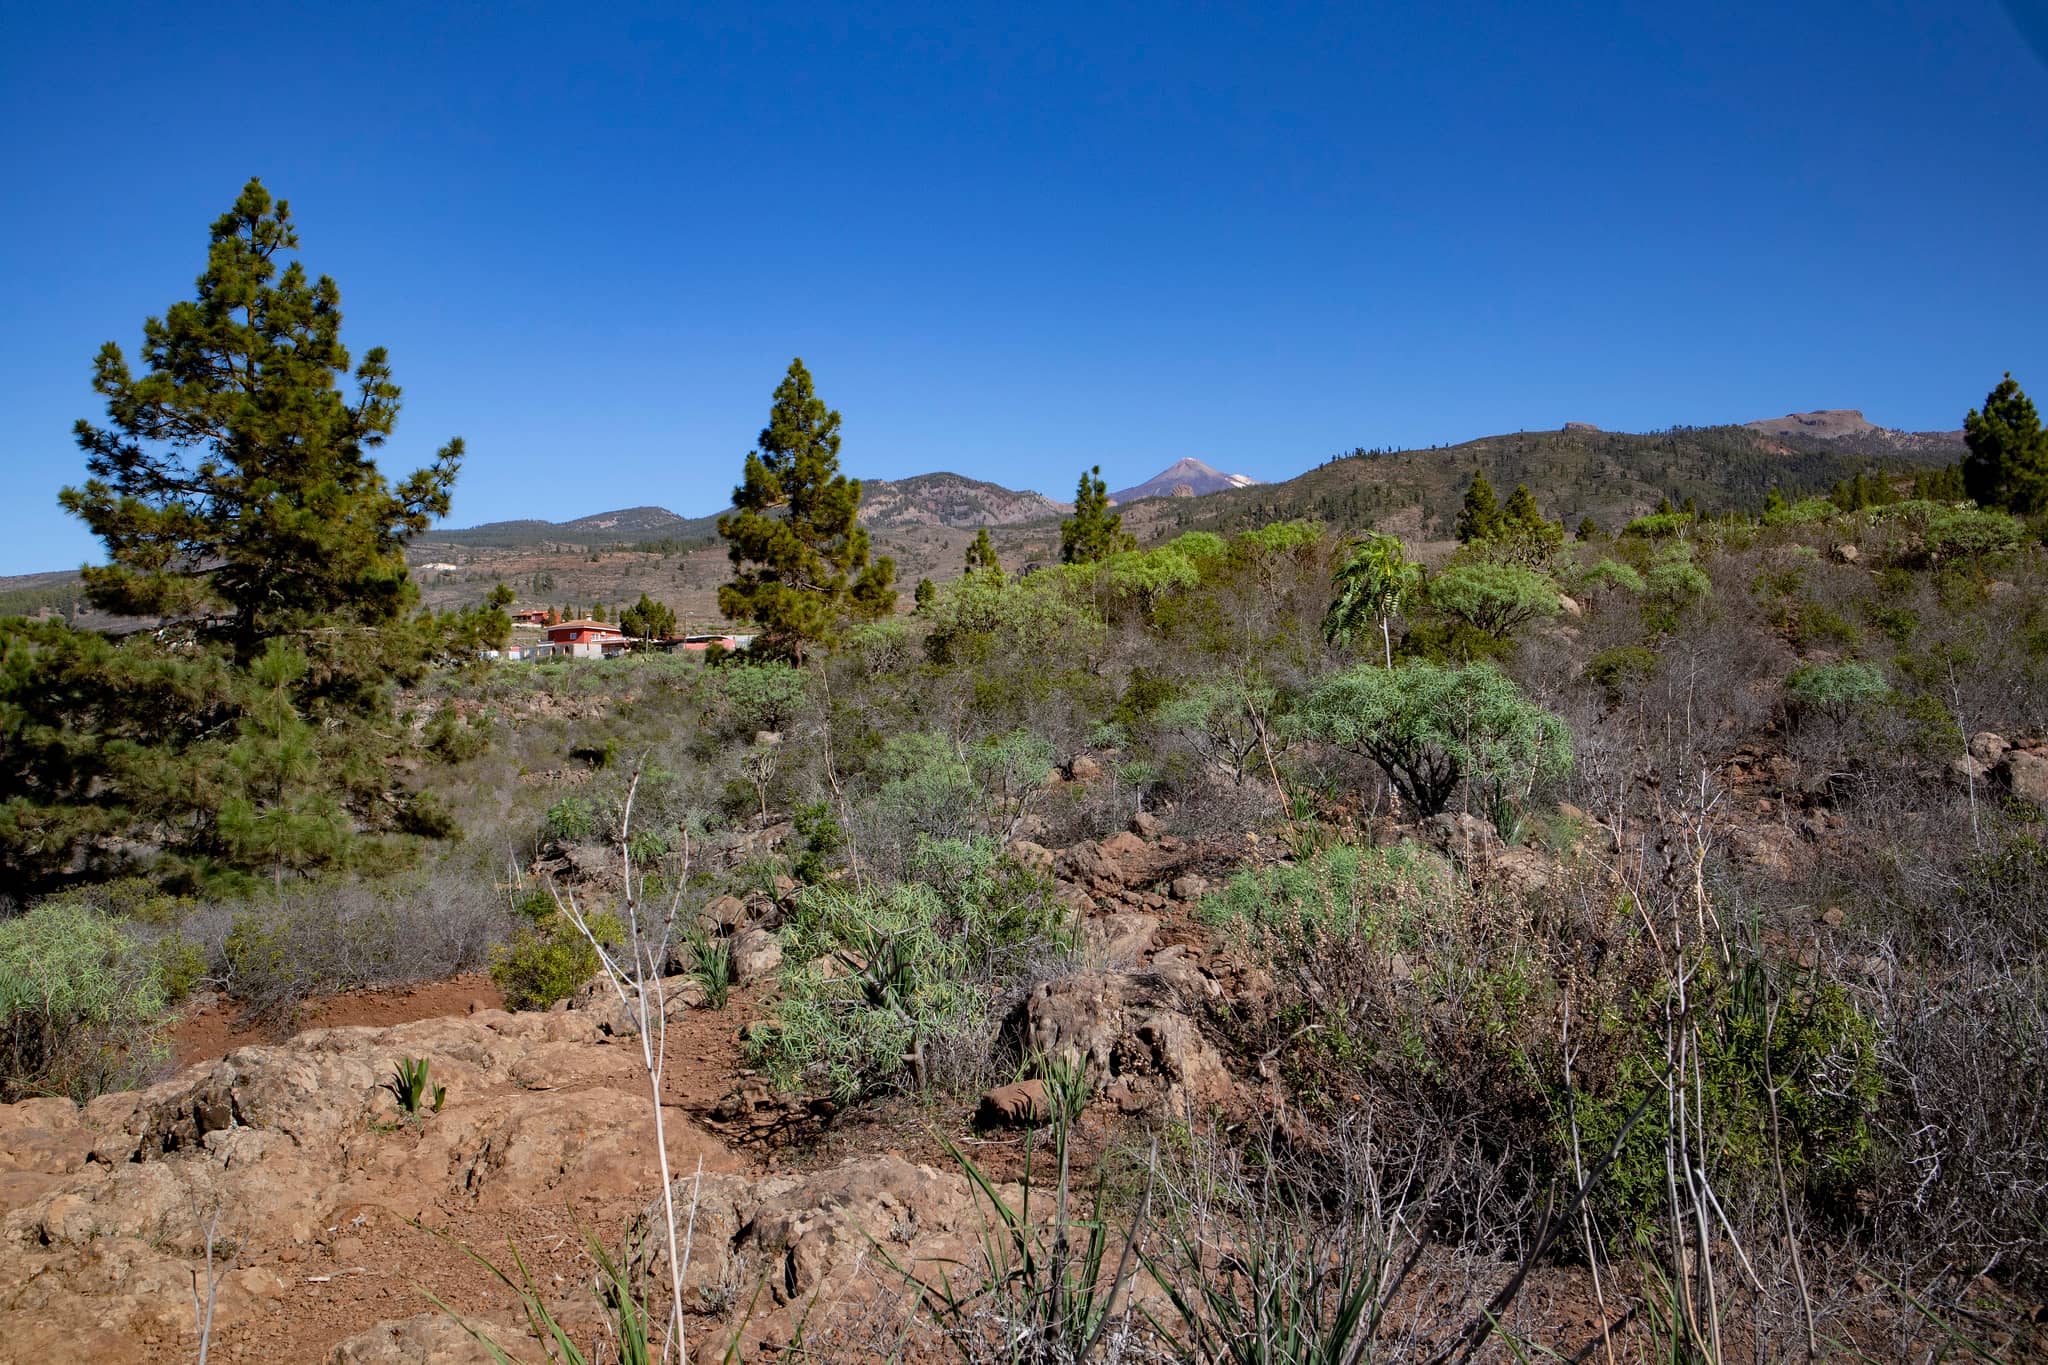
{"x": 218, "y": 1029}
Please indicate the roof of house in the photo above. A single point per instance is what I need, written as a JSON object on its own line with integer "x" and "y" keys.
{"x": 586, "y": 625}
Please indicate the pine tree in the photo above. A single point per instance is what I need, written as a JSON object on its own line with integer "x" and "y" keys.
{"x": 982, "y": 555}
{"x": 793, "y": 538}
{"x": 233, "y": 484}
{"x": 1525, "y": 535}
{"x": 283, "y": 815}
{"x": 2007, "y": 466}
{"x": 648, "y": 619}
{"x": 927, "y": 593}
{"x": 1589, "y": 529}
{"x": 1480, "y": 518}
{"x": 1774, "y": 501}
{"x": 1094, "y": 532}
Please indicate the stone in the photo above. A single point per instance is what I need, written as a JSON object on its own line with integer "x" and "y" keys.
{"x": 2027, "y": 771}
{"x": 1145, "y": 825}
{"x": 1018, "y": 1105}
{"x": 1084, "y": 769}
{"x": 432, "y": 1338}
{"x": 722, "y": 914}
{"x": 1034, "y": 856}
{"x": 766, "y": 738}
{"x": 1462, "y": 833}
{"x": 1122, "y": 939}
{"x": 755, "y": 953}
{"x": 1847, "y": 554}
{"x": 1134, "y": 1046}
{"x": 1189, "y": 887}
{"x": 1121, "y": 853}
{"x": 1569, "y": 606}
{"x": 1988, "y": 748}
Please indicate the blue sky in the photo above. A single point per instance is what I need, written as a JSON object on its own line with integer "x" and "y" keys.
{"x": 1014, "y": 243}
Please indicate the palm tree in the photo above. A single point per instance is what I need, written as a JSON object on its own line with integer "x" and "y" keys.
{"x": 1372, "y": 585}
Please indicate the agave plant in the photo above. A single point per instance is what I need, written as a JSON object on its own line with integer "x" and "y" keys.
{"x": 409, "y": 1086}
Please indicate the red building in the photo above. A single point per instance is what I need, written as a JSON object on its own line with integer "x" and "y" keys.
{"x": 585, "y": 639}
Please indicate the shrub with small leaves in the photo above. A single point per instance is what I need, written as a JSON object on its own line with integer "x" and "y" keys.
{"x": 82, "y": 1005}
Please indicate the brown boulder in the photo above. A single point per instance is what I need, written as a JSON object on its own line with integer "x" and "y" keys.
{"x": 755, "y": 953}
{"x": 722, "y": 915}
{"x": 1133, "y": 1045}
{"x": 2027, "y": 771}
{"x": 432, "y": 1338}
{"x": 1122, "y": 939}
{"x": 1017, "y": 1105}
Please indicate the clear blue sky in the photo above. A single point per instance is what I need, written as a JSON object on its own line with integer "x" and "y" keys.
{"x": 1013, "y": 244}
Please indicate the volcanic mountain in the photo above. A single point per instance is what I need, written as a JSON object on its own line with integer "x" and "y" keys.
{"x": 1188, "y": 478}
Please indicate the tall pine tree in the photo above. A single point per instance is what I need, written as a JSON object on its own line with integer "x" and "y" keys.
{"x": 233, "y": 483}
{"x": 2007, "y": 466}
{"x": 981, "y": 555}
{"x": 1479, "y": 519}
{"x": 800, "y": 561}
{"x": 1093, "y": 532}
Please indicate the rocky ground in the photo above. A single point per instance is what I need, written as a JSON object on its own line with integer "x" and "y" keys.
{"x": 338, "y": 1220}
{"x": 338, "y": 1216}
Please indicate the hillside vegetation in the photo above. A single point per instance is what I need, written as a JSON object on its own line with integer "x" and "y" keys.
{"x": 1616, "y": 932}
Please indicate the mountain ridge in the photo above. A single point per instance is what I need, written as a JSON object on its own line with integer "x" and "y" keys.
{"x": 1186, "y": 477}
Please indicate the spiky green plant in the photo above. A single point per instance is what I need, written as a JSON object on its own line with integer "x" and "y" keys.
{"x": 409, "y": 1086}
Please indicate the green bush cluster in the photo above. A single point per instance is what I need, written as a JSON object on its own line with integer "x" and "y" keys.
{"x": 83, "y": 1005}
{"x": 873, "y": 976}
{"x": 546, "y": 959}
{"x": 1405, "y": 995}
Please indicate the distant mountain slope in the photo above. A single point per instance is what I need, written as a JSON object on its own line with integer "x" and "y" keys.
{"x": 952, "y": 500}
{"x": 937, "y": 499}
{"x": 1849, "y": 426}
{"x": 627, "y": 526}
{"x": 1608, "y": 475}
{"x": 1183, "y": 478}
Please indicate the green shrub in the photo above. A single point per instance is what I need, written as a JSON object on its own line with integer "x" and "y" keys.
{"x": 1673, "y": 586}
{"x": 1429, "y": 728}
{"x": 819, "y": 839}
{"x": 1616, "y": 671}
{"x": 1805, "y": 1039}
{"x": 570, "y": 820}
{"x": 1612, "y": 573}
{"x": 1658, "y": 525}
{"x": 1381, "y": 896}
{"x": 1931, "y": 534}
{"x": 1813, "y": 626}
{"x": 84, "y": 1005}
{"x": 1496, "y": 598}
{"x": 874, "y": 975}
{"x": 549, "y": 960}
{"x": 762, "y": 696}
{"x": 1835, "y": 689}
{"x": 452, "y": 741}
{"x": 1806, "y": 512}
{"x": 181, "y": 965}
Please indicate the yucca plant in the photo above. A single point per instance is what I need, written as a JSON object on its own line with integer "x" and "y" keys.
{"x": 408, "y": 1085}
{"x": 1044, "y": 1291}
{"x": 625, "y": 1314}
{"x": 1255, "y": 1277}
{"x": 711, "y": 965}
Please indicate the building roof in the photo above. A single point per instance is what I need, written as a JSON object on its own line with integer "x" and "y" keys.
{"x": 586, "y": 625}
